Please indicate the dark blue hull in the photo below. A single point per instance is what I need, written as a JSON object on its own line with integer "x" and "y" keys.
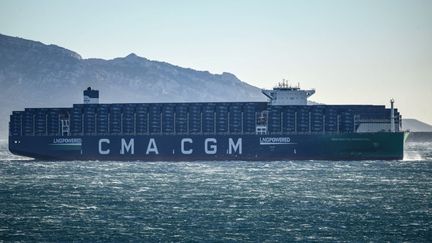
{"x": 349, "y": 146}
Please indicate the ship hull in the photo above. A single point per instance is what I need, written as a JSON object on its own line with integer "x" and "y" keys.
{"x": 348, "y": 146}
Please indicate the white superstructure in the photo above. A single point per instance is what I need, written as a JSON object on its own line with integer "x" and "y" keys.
{"x": 285, "y": 94}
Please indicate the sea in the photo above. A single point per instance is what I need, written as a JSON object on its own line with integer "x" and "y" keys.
{"x": 207, "y": 201}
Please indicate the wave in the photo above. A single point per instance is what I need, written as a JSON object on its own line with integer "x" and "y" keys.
{"x": 415, "y": 151}
{"x": 6, "y": 155}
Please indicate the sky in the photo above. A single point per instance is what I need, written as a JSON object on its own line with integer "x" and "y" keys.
{"x": 351, "y": 52}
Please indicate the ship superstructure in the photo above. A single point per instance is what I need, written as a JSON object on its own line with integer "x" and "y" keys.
{"x": 286, "y": 94}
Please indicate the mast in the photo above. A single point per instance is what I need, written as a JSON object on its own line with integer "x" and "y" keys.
{"x": 392, "y": 117}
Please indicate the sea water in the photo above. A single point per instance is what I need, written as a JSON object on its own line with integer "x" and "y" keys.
{"x": 217, "y": 201}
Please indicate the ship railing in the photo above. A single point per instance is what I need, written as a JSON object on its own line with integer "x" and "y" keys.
{"x": 198, "y": 133}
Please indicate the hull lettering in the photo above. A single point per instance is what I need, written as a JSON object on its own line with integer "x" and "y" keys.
{"x": 101, "y": 150}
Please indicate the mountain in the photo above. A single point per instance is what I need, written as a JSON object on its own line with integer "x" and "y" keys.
{"x": 414, "y": 125}
{"x": 33, "y": 74}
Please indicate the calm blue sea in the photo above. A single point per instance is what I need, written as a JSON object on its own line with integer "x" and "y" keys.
{"x": 217, "y": 201}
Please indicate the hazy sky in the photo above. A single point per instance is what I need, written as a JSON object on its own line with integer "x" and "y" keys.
{"x": 352, "y": 52}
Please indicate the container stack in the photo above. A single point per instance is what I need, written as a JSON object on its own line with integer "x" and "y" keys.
{"x": 15, "y": 123}
{"x": 289, "y": 120}
{"x": 76, "y": 119}
{"x": 275, "y": 119}
{"x": 40, "y": 122}
{"x": 317, "y": 119}
{"x": 102, "y": 119}
{"x": 142, "y": 119}
{"x": 168, "y": 118}
{"x": 249, "y": 118}
{"x": 89, "y": 119}
{"x": 346, "y": 121}
{"x": 195, "y": 118}
{"x": 235, "y": 118}
{"x": 181, "y": 119}
{"x": 28, "y": 122}
{"x": 303, "y": 121}
{"x": 115, "y": 119}
{"x": 53, "y": 120}
{"x": 128, "y": 117}
{"x": 221, "y": 118}
{"x": 155, "y": 118}
{"x": 209, "y": 118}
{"x": 331, "y": 119}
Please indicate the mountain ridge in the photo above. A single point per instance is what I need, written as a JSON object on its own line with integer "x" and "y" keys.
{"x": 34, "y": 74}
{"x": 414, "y": 125}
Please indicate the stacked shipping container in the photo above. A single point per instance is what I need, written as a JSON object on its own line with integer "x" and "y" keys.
{"x": 193, "y": 118}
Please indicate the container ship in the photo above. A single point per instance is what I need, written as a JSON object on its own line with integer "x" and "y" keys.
{"x": 284, "y": 128}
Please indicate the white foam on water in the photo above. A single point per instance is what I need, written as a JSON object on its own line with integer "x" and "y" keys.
{"x": 417, "y": 151}
{"x": 412, "y": 156}
{"x": 6, "y": 155}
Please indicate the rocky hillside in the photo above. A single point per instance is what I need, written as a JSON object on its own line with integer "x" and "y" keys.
{"x": 414, "y": 125}
{"x": 33, "y": 74}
